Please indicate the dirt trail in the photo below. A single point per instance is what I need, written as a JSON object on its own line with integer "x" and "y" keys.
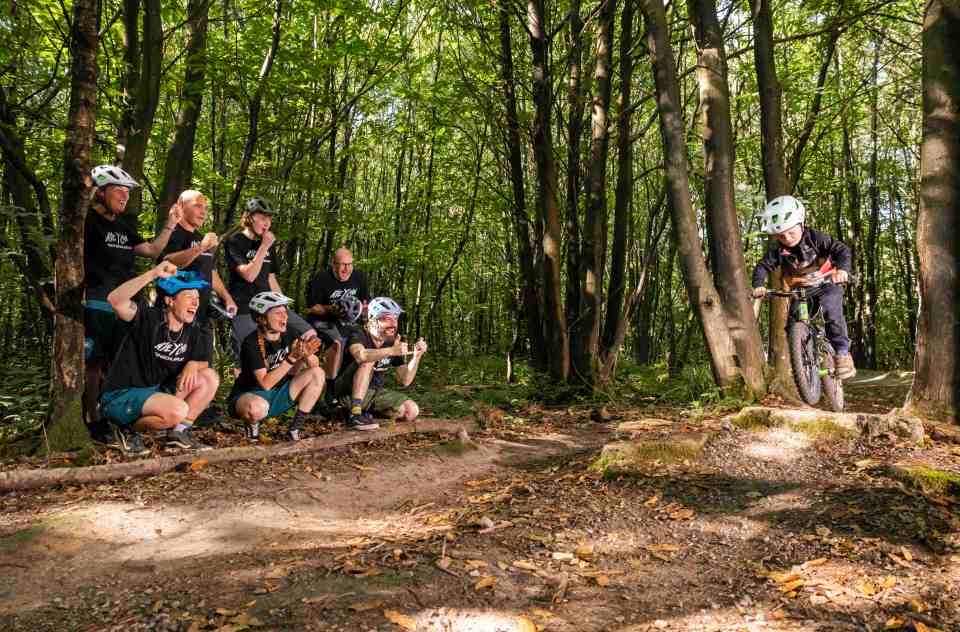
{"x": 767, "y": 530}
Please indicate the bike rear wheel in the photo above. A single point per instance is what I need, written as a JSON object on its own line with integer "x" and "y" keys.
{"x": 804, "y": 361}
{"x": 832, "y": 385}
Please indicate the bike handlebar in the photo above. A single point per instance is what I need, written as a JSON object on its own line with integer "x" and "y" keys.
{"x": 854, "y": 280}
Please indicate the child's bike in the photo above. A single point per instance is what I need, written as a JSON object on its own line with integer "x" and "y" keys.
{"x": 812, "y": 357}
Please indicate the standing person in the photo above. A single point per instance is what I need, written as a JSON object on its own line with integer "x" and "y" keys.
{"x": 253, "y": 269}
{"x": 807, "y": 256}
{"x": 278, "y": 369}
{"x": 160, "y": 379}
{"x": 191, "y": 251}
{"x": 328, "y": 294}
{"x": 110, "y": 248}
{"x": 371, "y": 352}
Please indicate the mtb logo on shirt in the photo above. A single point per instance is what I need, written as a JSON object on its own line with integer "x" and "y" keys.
{"x": 117, "y": 240}
{"x": 350, "y": 291}
{"x": 278, "y": 357}
{"x": 253, "y": 253}
{"x": 171, "y": 351}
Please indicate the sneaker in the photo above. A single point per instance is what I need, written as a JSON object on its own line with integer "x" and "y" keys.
{"x": 129, "y": 441}
{"x": 845, "y": 368}
{"x": 294, "y": 434}
{"x": 103, "y": 435}
{"x": 361, "y": 422}
{"x": 183, "y": 439}
{"x": 252, "y": 431}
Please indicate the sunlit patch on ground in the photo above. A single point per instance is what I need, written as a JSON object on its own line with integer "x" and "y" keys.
{"x": 779, "y": 444}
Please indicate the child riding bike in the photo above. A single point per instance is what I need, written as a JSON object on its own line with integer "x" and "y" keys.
{"x": 808, "y": 257}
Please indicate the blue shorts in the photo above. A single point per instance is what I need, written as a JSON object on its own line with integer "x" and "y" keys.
{"x": 125, "y": 405}
{"x": 278, "y": 398}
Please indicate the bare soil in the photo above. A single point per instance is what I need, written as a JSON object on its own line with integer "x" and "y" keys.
{"x": 769, "y": 530}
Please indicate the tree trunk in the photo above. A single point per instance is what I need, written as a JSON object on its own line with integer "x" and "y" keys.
{"x": 774, "y": 178}
{"x": 142, "y": 92}
{"x": 65, "y": 429}
{"x": 700, "y": 290}
{"x": 575, "y": 102}
{"x": 585, "y": 332}
{"x": 254, "y": 110}
{"x": 521, "y": 222}
{"x": 178, "y": 170}
{"x": 555, "y": 325}
{"x": 617, "y": 312}
{"x": 935, "y": 387}
{"x": 726, "y": 253}
{"x": 872, "y": 245}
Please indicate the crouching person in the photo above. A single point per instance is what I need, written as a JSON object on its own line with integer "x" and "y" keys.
{"x": 371, "y": 352}
{"x": 278, "y": 369}
{"x": 160, "y": 379}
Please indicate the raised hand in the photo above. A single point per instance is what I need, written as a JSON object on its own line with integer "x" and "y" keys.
{"x": 420, "y": 347}
{"x": 209, "y": 242}
{"x": 399, "y": 347}
{"x": 174, "y": 215}
{"x": 164, "y": 270}
{"x": 268, "y": 239}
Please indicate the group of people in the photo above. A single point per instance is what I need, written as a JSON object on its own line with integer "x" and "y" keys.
{"x": 149, "y": 366}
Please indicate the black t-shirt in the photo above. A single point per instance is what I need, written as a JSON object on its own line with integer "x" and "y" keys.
{"x": 324, "y": 288}
{"x": 183, "y": 239}
{"x": 240, "y": 251}
{"x": 251, "y": 359}
{"x": 108, "y": 256}
{"x": 151, "y": 354}
{"x": 380, "y": 368}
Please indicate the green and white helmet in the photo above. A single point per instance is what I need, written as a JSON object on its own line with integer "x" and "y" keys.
{"x": 265, "y": 301}
{"x": 259, "y": 205}
{"x": 105, "y": 175}
{"x": 780, "y": 214}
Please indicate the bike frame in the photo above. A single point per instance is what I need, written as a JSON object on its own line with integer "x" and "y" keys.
{"x": 801, "y": 300}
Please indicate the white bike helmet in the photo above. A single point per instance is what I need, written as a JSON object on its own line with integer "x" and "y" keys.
{"x": 265, "y": 301}
{"x": 349, "y": 307}
{"x": 780, "y": 214}
{"x": 259, "y": 205}
{"x": 105, "y": 175}
{"x": 382, "y": 306}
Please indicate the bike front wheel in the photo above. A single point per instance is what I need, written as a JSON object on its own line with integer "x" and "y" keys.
{"x": 804, "y": 361}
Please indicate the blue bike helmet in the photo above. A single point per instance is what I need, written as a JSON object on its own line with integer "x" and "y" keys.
{"x": 185, "y": 280}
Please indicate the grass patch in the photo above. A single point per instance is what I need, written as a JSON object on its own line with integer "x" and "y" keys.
{"x": 629, "y": 457}
{"x": 927, "y": 479}
{"x": 762, "y": 420}
{"x": 823, "y": 429}
{"x": 19, "y": 538}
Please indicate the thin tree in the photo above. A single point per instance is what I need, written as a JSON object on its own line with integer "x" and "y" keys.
{"x": 726, "y": 252}
{"x": 555, "y": 327}
{"x": 64, "y": 427}
{"x": 254, "y": 105}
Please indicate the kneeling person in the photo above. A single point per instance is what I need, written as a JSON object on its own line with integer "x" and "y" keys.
{"x": 160, "y": 379}
{"x": 371, "y": 353}
{"x": 278, "y": 369}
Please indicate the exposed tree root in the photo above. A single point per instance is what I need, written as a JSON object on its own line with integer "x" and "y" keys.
{"x": 31, "y": 479}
